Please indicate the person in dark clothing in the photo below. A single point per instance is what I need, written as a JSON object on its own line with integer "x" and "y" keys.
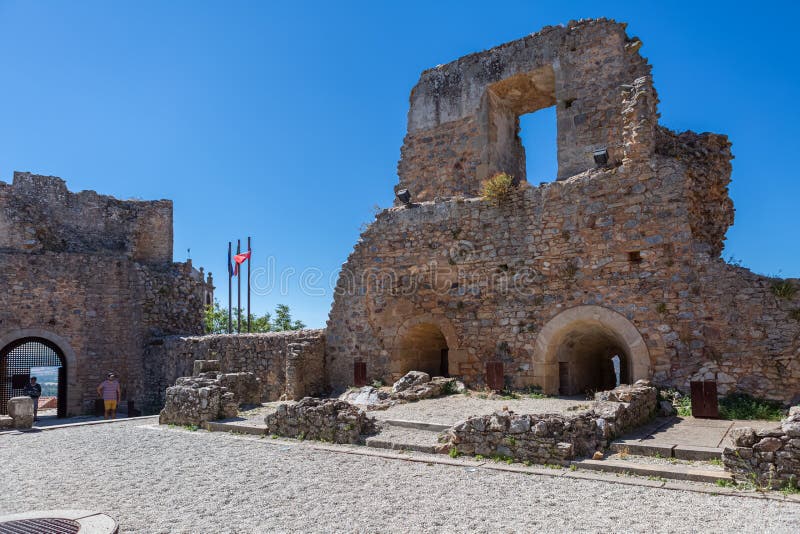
{"x": 34, "y": 391}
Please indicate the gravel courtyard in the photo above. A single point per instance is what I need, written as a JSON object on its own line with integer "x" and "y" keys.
{"x": 172, "y": 480}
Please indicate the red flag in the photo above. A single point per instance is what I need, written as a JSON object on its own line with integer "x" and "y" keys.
{"x": 238, "y": 260}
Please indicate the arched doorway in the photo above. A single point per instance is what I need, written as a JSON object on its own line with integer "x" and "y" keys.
{"x": 45, "y": 358}
{"x": 589, "y": 348}
{"x": 423, "y": 348}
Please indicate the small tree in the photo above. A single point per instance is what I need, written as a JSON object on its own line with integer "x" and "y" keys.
{"x": 216, "y": 320}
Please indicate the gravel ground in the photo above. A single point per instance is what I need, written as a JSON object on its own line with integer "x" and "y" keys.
{"x": 454, "y": 408}
{"x": 156, "y": 479}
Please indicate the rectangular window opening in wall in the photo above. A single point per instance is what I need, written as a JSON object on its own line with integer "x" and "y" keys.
{"x": 635, "y": 256}
{"x": 538, "y": 133}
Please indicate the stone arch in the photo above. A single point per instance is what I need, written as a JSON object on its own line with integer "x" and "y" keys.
{"x": 70, "y": 359}
{"x": 597, "y": 330}
{"x": 418, "y": 346}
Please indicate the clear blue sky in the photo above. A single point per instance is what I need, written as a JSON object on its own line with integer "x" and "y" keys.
{"x": 285, "y": 121}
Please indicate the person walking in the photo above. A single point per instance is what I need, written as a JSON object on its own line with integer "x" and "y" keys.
{"x": 34, "y": 391}
{"x": 110, "y": 391}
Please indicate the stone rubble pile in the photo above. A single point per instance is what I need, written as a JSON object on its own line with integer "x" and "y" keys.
{"x": 555, "y": 438}
{"x": 331, "y": 420}
{"x": 209, "y": 396}
{"x": 413, "y": 386}
{"x": 769, "y": 458}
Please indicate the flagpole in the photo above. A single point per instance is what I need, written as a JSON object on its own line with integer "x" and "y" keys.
{"x": 250, "y": 259}
{"x": 230, "y": 299}
{"x": 239, "y": 291}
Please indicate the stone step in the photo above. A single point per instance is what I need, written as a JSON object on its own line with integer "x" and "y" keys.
{"x": 666, "y": 471}
{"x": 241, "y": 428}
{"x": 666, "y": 450}
{"x": 418, "y": 425}
{"x": 405, "y": 439}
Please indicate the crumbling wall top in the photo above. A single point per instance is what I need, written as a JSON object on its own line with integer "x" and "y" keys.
{"x": 38, "y": 213}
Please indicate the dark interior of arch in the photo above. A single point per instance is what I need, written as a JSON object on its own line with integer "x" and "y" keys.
{"x": 424, "y": 348}
{"x": 585, "y": 360}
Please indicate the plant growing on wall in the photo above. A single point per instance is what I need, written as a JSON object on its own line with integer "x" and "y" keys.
{"x": 499, "y": 189}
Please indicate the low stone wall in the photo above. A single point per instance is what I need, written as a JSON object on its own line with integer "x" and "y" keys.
{"x": 555, "y": 438}
{"x": 289, "y": 364}
{"x": 331, "y": 420}
{"x": 768, "y": 458}
{"x": 208, "y": 397}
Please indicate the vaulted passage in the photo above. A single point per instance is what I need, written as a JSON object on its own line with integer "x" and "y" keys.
{"x": 591, "y": 358}
{"x": 589, "y": 348}
{"x": 423, "y": 348}
{"x": 19, "y": 358}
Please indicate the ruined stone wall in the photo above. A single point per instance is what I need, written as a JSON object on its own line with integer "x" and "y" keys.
{"x": 39, "y": 214}
{"x": 463, "y": 119}
{"x": 69, "y": 274}
{"x": 492, "y": 277}
{"x": 272, "y": 357}
{"x": 768, "y": 458}
{"x": 555, "y": 438}
{"x": 624, "y": 256}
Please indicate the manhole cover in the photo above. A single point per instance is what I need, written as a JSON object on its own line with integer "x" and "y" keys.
{"x": 40, "y": 526}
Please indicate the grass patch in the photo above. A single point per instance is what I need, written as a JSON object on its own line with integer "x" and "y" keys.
{"x": 743, "y": 406}
{"x": 191, "y": 428}
{"x": 716, "y": 461}
{"x": 783, "y": 289}
{"x": 453, "y": 452}
{"x": 725, "y": 483}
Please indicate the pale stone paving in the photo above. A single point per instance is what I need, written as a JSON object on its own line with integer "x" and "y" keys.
{"x": 175, "y": 481}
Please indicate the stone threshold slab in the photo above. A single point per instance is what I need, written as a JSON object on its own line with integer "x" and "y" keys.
{"x": 673, "y": 472}
{"x": 418, "y": 425}
{"x": 667, "y": 450}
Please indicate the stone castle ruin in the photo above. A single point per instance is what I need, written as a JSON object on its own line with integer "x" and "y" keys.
{"x": 609, "y": 274}
{"x": 619, "y": 256}
{"x": 87, "y": 283}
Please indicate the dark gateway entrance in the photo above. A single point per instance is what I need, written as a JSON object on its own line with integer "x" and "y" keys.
{"x": 17, "y": 359}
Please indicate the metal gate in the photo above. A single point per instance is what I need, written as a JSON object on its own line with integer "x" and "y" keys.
{"x": 16, "y": 361}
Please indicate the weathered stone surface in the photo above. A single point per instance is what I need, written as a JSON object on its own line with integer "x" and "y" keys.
{"x": 209, "y": 396}
{"x": 411, "y": 378}
{"x": 554, "y": 438}
{"x": 94, "y": 275}
{"x": 20, "y": 409}
{"x": 290, "y": 364}
{"x": 770, "y": 458}
{"x": 666, "y": 409}
{"x": 368, "y": 398}
{"x": 484, "y": 281}
{"x": 331, "y": 420}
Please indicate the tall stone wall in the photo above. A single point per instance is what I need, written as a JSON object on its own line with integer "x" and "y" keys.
{"x": 463, "y": 118}
{"x": 289, "y": 364}
{"x": 623, "y": 257}
{"x": 77, "y": 270}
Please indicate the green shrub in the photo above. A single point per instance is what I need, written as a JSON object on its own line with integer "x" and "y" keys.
{"x": 454, "y": 452}
{"x": 684, "y": 406}
{"x": 499, "y": 189}
{"x": 784, "y": 289}
{"x": 743, "y": 406}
